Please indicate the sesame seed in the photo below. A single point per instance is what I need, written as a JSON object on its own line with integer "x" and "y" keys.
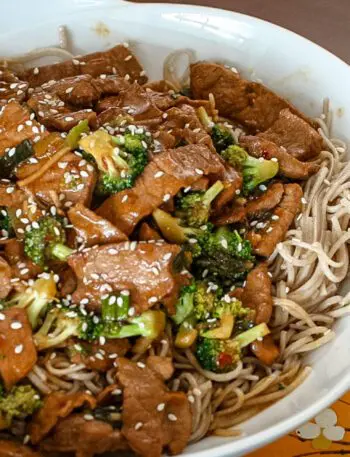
{"x": 24, "y": 271}
{"x": 120, "y": 301}
{"x": 69, "y": 90}
{"x": 36, "y": 71}
{"x": 141, "y": 365}
{"x": 191, "y": 398}
{"x": 303, "y": 200}
{"x": 159, "y": 174}
{"x": 131, "y": 311}
{"x": 18, "y": 348}
{"x": 16, "y": 325}
{"x": 127, "y": 77}
{"x": 26, "y": 439}
{"x": 88, "y": 417}
{"x": 224, "y": 244}
{"x": 274, "y": 159}
{"x": 125, "y": 44}
{"x": 99, "y": 356}
{"x": 102, "y": 340}
{"x": 142, "y": 73}
{"x": 160, "y": 407}
{"x": 167, "y": 256}
{"x": 133, "y": 245}
{"x": 199, "y": 171}
{"x": 103, "y": 76}
{"x": 166, "y": 197}
{"x": 116, "y": 392}
{"x": 68, "y": 119}
{"x": 192, "y": 241}
{"x": 9, "y": 190}
{"x": 75, "y": 62}
{"x": 152, "y": 300}
{"x": 127, "y": 58}
{"x": 197, "y": 392}
{"x": 126, "y": 293}
{"x": 172, "y": 417}
{"x": 269, "y": 230}
{"x": 138, "y": 425}
{"x": 274, "y": 217}
{"x": 11, "y": 152}
{"x": 20, "y": 128}
{"x": 2, "y": 317}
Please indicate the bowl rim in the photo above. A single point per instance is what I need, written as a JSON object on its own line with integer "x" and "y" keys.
{"x": 272, "y": 433}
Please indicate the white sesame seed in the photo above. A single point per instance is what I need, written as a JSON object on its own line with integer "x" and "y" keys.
{"x": 274, "y": 159}
{"x": 26, "y": 439}
{"x": 2, "y": 317}
{"x": 124, "y": 199}
{"x": 16, "y": 325}
{"x": 127, "y": 58}
{"x": 138, "y": 425}
{"x": 133, "y": 245}
{"x": 166, "y": 197}
{"x": 68, "y": 119}
{"x": 167, "y": 256}
{"x": 152, "y": 300}
{"x": 18, "y": 348}
{"x": 199, "y": 171}
{"x": 127, "y": 77}
{"x": 131, "y": 311}
{"x": 99, "y": 356}
{"x": 103, "y": 76}
{"x": 191, "y": 398}
{"x": 102, "y": 340}
{"x": 9, "y": 190}
{"x": 69, "y": 90}
{"x": 88, "y": 417}
{"x": 160, "y": 407}
{"x": 141, "y": 365}
{"x": 274, "y": 217}
{"x": 303, "y": 200}
{"x": 75, "y": 62}
{"x": 11, "y": 152}
{"x": 172, "y": 417}
{"x": 126, "y": 293}
{"x": 197, "y": 392}
{"x": 36, "y": 71}
{"x": 224, "y": 244}
{"x": 159, "y": 174}
{"x": 20, "y": 128}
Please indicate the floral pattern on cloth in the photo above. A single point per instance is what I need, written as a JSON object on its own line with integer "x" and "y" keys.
{"x": 328, "y": 434}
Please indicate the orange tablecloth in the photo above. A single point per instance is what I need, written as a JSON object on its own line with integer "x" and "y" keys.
{"x": 326, "y": 435}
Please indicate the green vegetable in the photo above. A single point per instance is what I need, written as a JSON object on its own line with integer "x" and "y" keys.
{"x": 185, "y": 304}
{"x": 120, "y": 159}
{"x": 149, "y": 324}
{"x": 116, "y": 307}
{"x": 222, "y": 355}
{"x": 13, "y": 157}
{"x": 6, "y": 228}
{"x": 46, "y": 242}
{"x": 35, "y": 299}
{"x": 74, "y": 134}
{"x": 222, "y": 137}
{"x": 224, "y": 255}
{"x": 254, "y": 171}
{"x": 18, "y": 403}
{"x": 194, "y": 207}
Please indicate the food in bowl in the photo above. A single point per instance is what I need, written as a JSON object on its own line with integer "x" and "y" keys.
{"x": 169, "y": 252}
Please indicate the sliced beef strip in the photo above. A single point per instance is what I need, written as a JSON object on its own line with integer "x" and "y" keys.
{"x": 21, "y": 266}
{"x": 161, "y": 427}
{"x": 266, "y": 201}
{"x": 231, "y": 215}
{"x": 289, "y": 166}
{"x": 249, "y": 103}
{"x": 265, "y": 241}
{"x": 84, "y": 438}
{"x": 11, "y": 88}
{"x": 93, "y": 229}
{"x": 103, "y": 362}
{"x": 12, "y": 449}
{"x": 163, "y": 366}
{"x": 56, "y": 406}
{"x": 296, "y": 135}
{"x": 16, "y": 126}
{"x": 96, "y": 64}
{"x": 165, "y": 175}
{"x": 71, "y": 180}
{"x": 18, "y": 353}
{"x": 257, "y": 293}
{"x": 145, "y": 269}
{"x": 5, "y": 278}
{"x": 55, "y": 114}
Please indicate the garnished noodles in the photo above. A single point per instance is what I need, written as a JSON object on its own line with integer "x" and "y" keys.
{"x": 306, "y": 269}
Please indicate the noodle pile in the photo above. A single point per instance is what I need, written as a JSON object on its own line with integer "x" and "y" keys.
{"x": 306, "y": 270}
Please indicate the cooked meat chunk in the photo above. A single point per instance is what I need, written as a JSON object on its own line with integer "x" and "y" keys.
{"x": 231, "y": 215}
{"x": 56, "y": 406}
{"x": 257, "y": 293}
{"x": 145, "y": 269}
{"x": 68, "y": 281}
{"x": 148, "y": 233}
{"x": 166, "y": 426}
{"x": 96, "y": 64}
{"x": 18, "y": 353}
{"x": 103, "y": 362}
{"x": 84, "y": 438}
{"x": 249, "y": 103}
{"x": 266, "y": 350}
{"x": 13, "y": 449}
{"x": 265, "y": 241}
{"x": 297, "y": 136}
{"x": 16, "y": 126}
{"x": 93, "y": 229}
{"x": 11, "y": 88}
{"x": 161, "y": 365}
{"x": 71, "y": 180}
{"x": 265, "y": 202}
{"x": 163, "y": 177}
{"x": 5, "y": 278}
{"x": 289, "y": 166}
{"x": 22, "y": 267}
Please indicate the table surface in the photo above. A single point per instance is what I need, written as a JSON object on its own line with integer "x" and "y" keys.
{"x": 326, "y": 22}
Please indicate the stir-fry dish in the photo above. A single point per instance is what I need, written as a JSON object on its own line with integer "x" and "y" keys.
{"x": 168, "y": 252}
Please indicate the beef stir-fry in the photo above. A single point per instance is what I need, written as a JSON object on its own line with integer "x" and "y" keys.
{"x": 137, "y": 228}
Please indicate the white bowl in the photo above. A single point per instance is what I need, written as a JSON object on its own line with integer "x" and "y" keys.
{"x": 286, "y": 62}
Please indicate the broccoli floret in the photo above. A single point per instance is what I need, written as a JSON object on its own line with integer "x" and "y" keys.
{"x": 194, "y": 207}
{"x": 115, "y": 307}
{"x": 120, "y": 159}
{"x": 18, "y": 403}
{"x": 184, "y": 305}
{"x": 222, "y": 355}
{"x": 35, "y": 299}
{"x": 222, "y": 137}
{"x": 62, "y": 323}
{"x": 46, "y": 242}
{"x": 231, "y": 306}
{"x": 149, "y": 324}
{"x": 6, "y": 229}
{"x": 254, "y": 171}
{"x": 224, "y": 255}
